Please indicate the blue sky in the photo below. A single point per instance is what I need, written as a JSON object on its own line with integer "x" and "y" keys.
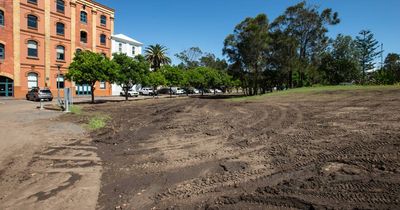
{"x": 181, "y": 24}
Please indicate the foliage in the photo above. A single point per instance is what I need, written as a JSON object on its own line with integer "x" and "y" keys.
{"x": 247, "y": 47}
{"x": 155, "y": 79}
{"x": 89, "y": 67}
{"x": 367, "y": 47}
{"x": 156, "y": 55}
{"x": 339, "y": 64}
{"x": 98, "y": 122}
{"x": 173, "y": 75}
{"x": 75, "y": 109}
{"x": 190, "y": 57}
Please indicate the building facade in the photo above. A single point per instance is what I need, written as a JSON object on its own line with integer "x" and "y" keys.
{"x": 38, "y": 39}
{"x": 121, "y": 43}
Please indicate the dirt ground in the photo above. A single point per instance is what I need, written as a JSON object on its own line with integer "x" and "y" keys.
{"x": 334, "y": 150}
{"x": 45, "y": 162}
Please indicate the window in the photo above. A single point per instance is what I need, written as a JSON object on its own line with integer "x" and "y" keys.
{"x": 103, "y": 20}
{"x": 60, "y": 81}
{"x": 2, "y": 52}
{"x": 103, "y": 39}
{"x": 60, "y": 6}
{"x": 60, "y": 53}
{"x": 104, "y": 55}
{"x": 32, "y": 48}
{"x": 32, "y": 1}
{"x": 32, "y": 21}
{"x": 32, "y": 80}
{"x": 133, "y": 50}
{"x": 60, "y": 29}
{"x": 102, "y": 85}
{"x": 83, "y": 37}
{"x": 78, "y": 51}
{"x": 120, "y": 47}
{"x": 83, "y": 17}
{"x": 1, "y": 18}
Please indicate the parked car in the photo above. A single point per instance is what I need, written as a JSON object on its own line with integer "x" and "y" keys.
{"x": 146, "y": 91}
{"x": 164, "y": 91}
{"x": 191, "y": 91}
{"x": 131, "y": 93}
{"x": 177, "y": 90}
{"x": 37, "y": 94}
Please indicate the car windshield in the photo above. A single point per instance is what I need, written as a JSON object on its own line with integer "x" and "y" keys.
{"x": 45, "y": 91}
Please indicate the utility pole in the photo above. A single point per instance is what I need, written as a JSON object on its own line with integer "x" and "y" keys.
{"x": 58, "y": 84}
{"x": 382, "y": 56}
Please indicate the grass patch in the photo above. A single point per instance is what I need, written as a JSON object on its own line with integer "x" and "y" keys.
{"x": 98, "y": 122}
{"x": 75, "y": 109}
{"x": 312, "y": 90}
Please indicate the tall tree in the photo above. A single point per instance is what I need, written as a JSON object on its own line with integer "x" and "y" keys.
{"x": 308, "y": 27}
{"x": 247, "y": 47}
{"x": 88, "y": 67}
{"x": 368, "y": 51}
{"x": 156, "y": 55}
{"x": 155, "y": 79}
{"x": 190, "y": 57}
{"x": 209, "y": 60}
{"x": 130, "y": 71}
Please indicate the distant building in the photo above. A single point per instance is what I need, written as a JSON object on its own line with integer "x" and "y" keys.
{"x": 121, "y": 43}
{"x": 37, "y": 36}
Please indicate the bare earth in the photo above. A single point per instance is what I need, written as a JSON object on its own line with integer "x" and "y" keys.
{"x": 45, "y": 163}
{"x": 325, "y": 150}
{"x": 335, "y": 150}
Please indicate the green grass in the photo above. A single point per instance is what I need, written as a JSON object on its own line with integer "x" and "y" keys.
{"x": 312, "y": 90}
{"x": 98, "y": 122}
{"x": 75, "y": 109}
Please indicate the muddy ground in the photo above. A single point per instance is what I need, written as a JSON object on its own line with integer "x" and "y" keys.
{"x": 335, "y": 150}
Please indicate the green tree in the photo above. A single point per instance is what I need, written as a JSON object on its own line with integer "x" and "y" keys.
{"x": 247, "y": 48}
{"x": 190, "y": 57}
{"x": 173, "y": 75}
{"x": 368, "y": 51}
{"x": 308, "y": 27}
{"x": 340, "y": 63}
{"x": 156, "y": 55}
{"x": 392, "y": 66}
{"x": 155, "y": 79}
{"x": 209, "y": 60}
{"x": 88, "y": 67}
{"x": 130, "y": 71}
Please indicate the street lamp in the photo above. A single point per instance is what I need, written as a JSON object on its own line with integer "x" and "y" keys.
{"x": 58, "y": 84}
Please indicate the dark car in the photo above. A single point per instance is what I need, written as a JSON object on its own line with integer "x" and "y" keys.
{"x": 37, "y": 94}
{"x": 164, "y": 91}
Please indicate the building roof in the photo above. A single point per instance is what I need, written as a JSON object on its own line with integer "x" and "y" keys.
{"x": 124, "y": 38}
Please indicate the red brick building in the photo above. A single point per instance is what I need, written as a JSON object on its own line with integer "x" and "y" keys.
{"x": 39, "y": 36}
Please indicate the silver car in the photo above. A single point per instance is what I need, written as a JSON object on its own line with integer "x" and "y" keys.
{"x": 37, "y": 94}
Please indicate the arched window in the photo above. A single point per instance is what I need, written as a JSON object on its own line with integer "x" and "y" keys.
{"x": 60, "y": 81}
{"x": 103, "y": 20}
{"x": 78, "y": 51}
{"x": 83, "y": 17}
{"x": 60, "y": 29}
{"x": 103, "y": 39}
{"x": 32, "y": 80}
{"x": 1, "y": 18}
{"x": 60, "y": 53}
{"x": 60, "y": 6}
{"x": 2, "y": 52}
{"x": 32, "y": 48}
{"x": 83, "y": 37}
{"x": 32, "y": 22}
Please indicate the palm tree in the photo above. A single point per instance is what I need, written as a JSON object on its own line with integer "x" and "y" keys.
{"x": 156, "y": 55}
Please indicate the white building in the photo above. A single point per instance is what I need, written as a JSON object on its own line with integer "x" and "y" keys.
{"x": 123, "y": 44}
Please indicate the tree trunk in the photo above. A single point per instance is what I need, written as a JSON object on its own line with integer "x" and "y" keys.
{"x": 92, "y": 91}
{"x": 170, "y": 92}
{"x": 126, "y": 94}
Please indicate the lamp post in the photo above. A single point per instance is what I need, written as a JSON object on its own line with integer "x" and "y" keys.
{"x": 58, "y": 84}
